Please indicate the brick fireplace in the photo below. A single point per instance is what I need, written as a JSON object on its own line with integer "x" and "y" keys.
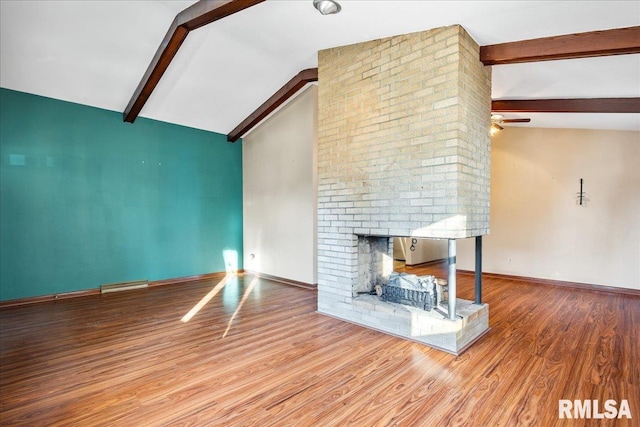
{"x": 403, "y": 150}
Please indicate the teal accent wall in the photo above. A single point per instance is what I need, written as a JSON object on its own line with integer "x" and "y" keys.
{"x": 87, "y": 199}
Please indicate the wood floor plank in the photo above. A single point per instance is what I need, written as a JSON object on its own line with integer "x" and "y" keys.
{"x": 258, "y": 353}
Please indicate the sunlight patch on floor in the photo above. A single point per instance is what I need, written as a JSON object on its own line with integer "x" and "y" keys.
{"x": 212, "y": 293}
{"x": 246, "y": 294}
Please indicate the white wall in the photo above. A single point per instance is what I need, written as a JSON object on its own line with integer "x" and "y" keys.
{"x": 538, "y": 230}
{"x": 425, "y": 250}
{"x": 279, "y": 192}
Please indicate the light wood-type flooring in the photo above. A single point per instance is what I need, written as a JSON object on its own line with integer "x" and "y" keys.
{"x": 258, "y": 353}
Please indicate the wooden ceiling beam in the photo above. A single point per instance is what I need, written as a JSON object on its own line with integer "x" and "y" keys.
{"x": 571, "y": 105}
{"x": 197, "y": 15}
{"x": 581, "y": 45}
{"x": 280, "y": 97}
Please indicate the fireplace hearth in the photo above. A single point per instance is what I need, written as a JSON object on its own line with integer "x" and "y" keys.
{"x": 423, "y": 309}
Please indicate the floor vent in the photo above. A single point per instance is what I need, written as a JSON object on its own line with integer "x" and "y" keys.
{"x": 124, "y": 286}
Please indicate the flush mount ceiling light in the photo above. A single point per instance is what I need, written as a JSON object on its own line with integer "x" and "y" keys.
{"x": 327, "y": 7}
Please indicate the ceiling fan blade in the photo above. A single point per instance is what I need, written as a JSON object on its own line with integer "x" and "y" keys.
{"x": 515, "y": 120}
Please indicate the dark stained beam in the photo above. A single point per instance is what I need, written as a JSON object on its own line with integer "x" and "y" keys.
{"x": 579, "y": 105}
{"x": 581, "y": 45}
{"x": 197, "y": 15}
{"x": 207, "y": 11}
{"x": 159, "y": 64}
{"x": 515, "y": 120}
{"x": 280, "y": 97}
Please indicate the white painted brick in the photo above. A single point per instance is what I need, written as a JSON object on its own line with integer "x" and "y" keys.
{"x": 395, "y": 176}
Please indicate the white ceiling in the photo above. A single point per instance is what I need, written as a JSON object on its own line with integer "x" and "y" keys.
{"x": 95, "y": 52}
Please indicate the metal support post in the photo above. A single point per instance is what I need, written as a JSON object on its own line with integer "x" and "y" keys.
{"x": 452, "y": 279}
{"x": 478, "y": 299}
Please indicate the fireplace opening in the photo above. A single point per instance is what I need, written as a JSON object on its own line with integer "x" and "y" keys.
{"x": 375, "y": 263}
{"x": 376, "y": 276}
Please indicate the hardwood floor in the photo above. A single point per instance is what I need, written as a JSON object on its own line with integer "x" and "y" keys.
{"x": 257, "y": 353}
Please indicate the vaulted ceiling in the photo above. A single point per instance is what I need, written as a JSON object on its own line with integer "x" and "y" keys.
{"x": 96, "y": 52}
